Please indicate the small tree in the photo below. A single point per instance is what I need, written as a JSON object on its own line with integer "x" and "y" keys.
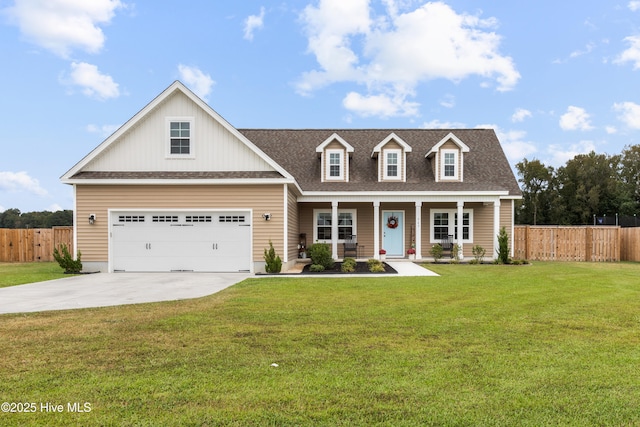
{"x": 503, "y": 246}
{"x": 320, "y": 254}
{"x": 273, "y": 263}
{"x": 478, "y": 253}
{"x": 66, "y": 261}
{"x": 436, "y": 252}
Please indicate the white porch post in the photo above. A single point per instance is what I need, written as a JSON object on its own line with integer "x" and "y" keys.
{"x": 376, "y": 230}
{"x": 334, "y": 229}
{"x": 460, "y": 229}
{"x": 418, "y": 230}
{"x": 496, "y": 227}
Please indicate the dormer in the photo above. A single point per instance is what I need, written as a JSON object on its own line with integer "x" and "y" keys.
{"x": 447, "y": 159}
{"x": 391, "y": 153}
{"x": 334, "y": 155}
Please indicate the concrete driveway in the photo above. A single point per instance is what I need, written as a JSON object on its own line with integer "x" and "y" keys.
{"x": 104, "y": 289}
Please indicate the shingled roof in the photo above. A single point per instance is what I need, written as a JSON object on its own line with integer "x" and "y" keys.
{"x": 485, "y": 166}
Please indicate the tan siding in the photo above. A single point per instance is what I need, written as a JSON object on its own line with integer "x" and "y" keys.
{"x": 482, "y": 228}
{"x": 93, "y": 239}
{"x": 506, "y": 219}
{"x": 293, "y": 234}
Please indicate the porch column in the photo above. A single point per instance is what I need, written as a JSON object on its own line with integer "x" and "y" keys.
{"x": 418, "y": 230}
{"x": 496, "y": 227}
{"x": 334, "y": 230}
{"x": 460, "y": 229}
{"x": 376, "y": 230}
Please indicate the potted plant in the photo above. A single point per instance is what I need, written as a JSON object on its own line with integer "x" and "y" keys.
{"x": 383, "y": 254}
{"x": 412, "y": 253}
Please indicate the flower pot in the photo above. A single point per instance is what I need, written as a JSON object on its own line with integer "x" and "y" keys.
{"x": 412, "y": 256}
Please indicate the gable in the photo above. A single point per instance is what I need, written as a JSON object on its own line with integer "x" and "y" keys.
{"x": 143, "y": 143}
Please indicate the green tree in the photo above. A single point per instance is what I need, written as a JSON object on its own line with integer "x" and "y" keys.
{"x": 630, "y": 180}
{"x": 535, "y": 179}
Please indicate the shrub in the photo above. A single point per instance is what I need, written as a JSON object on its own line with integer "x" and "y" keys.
{"x": 66, "y": 261}
{"x": 456, "y": 251}
{"x": 478, "y": 253}
{"x": 348, "y": 265}
{"x": 320, "y": 253}
{"x": 436, "y": 252}
{"x": 273, "y": 263}
{"x": 503, "y": 246}
{"x": 316, "y": 268}
{"x": 375, "y": 266}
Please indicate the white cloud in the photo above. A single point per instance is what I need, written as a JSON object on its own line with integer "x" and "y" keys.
{"x": 632, "y": 54}
{"x": 448, "y": 101}
{"x": 199, "y": 82}
{"x": 2, "y": 209}
{"x": 629, "y": 114}
{"x": 93, "y": 83}
{"x": 437, "y": 124}
{"x": 55, "y": 208}
{"x": 20, "y": 181}
{"x": 513, "y": 143}
{"x": 397, "y": 51}
{"x": 252, "y": 23}
{"x": 634, "y": 5}
{"x": 611, "y": 130}
{"x": 104, "y": 130}
{"x": 379, "y": 105}
{"x": 560, "y": 154}
{"x": 575, "y": 118}
{"x": 61, "y": 26}
{"x": 520, "y": 115}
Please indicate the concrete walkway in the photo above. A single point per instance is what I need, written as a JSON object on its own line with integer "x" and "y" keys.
{"x": 104, "y": 289}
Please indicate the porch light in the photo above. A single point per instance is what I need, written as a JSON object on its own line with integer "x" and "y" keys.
{"x": 92, "y": 218}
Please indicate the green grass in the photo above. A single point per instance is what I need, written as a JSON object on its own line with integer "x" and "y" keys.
{"x": 12, "y": 274}
{"x": 542, "y": 345}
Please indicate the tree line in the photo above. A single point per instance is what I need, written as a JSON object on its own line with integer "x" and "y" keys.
{"x": 13, "y": 218}
{"x": 586, "y": 186}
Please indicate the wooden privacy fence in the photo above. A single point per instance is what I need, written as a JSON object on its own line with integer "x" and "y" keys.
{"x": 34, "y": 244}
{"x": 559, "y": 243}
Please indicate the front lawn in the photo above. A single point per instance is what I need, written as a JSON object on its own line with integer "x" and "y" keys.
{"x": 12, "y": 274}
{"x": 546, "y": 344}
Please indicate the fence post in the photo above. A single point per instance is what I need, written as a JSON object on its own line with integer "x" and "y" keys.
{"x": 588, "y": 244}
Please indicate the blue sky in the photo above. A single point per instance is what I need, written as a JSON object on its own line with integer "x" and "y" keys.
{"x": 554, "y": 79}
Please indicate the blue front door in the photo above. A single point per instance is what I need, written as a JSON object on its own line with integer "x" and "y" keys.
{"x": 393, "y": 233}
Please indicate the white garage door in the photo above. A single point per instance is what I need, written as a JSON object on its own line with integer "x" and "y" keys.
{"x": 181, "y": 241}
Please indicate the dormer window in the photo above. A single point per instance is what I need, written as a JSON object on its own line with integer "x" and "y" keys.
{"x": 391, "y": 154}
{"x": 335, "y": 168}
{"x": 334, "y": 155}
{"x": 392, "y": 164}
{"x": 449, "y": 164}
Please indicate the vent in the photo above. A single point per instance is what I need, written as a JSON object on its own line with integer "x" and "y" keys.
{"x": 165, "y": 218}
{"x": 198, "y": 218}
{"x": 231, "y": 218}
{"x": 131, "y": 218}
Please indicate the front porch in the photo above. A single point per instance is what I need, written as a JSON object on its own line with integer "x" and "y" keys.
{"x": 395, "y": 227}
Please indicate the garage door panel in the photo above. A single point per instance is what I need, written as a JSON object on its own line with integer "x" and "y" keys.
{"x": 215, "y": 242}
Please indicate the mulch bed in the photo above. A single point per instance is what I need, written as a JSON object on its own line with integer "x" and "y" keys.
{"x": 361, "y": 268}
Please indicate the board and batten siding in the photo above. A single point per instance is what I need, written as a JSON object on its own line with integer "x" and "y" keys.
{"x": 144, "y": 146}
{"x": 98, "y": 199}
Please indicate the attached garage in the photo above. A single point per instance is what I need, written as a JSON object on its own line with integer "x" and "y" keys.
{"x": 165, "y": 240}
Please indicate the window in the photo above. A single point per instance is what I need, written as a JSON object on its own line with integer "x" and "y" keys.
{"x": 444, "y": 222}
{"x": 180, "y": 137}
{"x": 392, "y": 165}
{"x": 449, "y": 164}
{"x": 335, "y": 168}
{"x": 323, "y": 225}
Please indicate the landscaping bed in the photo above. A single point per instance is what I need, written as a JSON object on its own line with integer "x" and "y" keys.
{"x": 361, "y": 268}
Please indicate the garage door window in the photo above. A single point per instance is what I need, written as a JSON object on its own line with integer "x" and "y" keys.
{"x": 165, "y": 218}
{"x": 232, "y": 218}
{"x": 198, "y": 218}
{"x": 131, "y": 218}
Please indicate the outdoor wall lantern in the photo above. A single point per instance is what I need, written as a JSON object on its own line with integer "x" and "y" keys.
{"x": 266, "y": 216}
{"x": 92, "y": 218}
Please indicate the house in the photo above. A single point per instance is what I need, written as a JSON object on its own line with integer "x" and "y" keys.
{"x": 178, "y": 188}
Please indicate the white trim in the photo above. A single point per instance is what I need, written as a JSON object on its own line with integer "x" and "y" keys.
{"x": 192, "y": 146}
{"x": 354, "y": 225}
{"x": 133, "y": 181}
{"x": 335, "y": 137}
{"x": 452, "y": 223}
{"x": 341, "y": 163}
{"x": 399, "y": 164}
{"x": 392, "y": 136}
{"x": 456, "y": 164}
{"x": 286, "y": 224}
{"x": 463, "y": 147}
{"x": 75, "y": 222}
